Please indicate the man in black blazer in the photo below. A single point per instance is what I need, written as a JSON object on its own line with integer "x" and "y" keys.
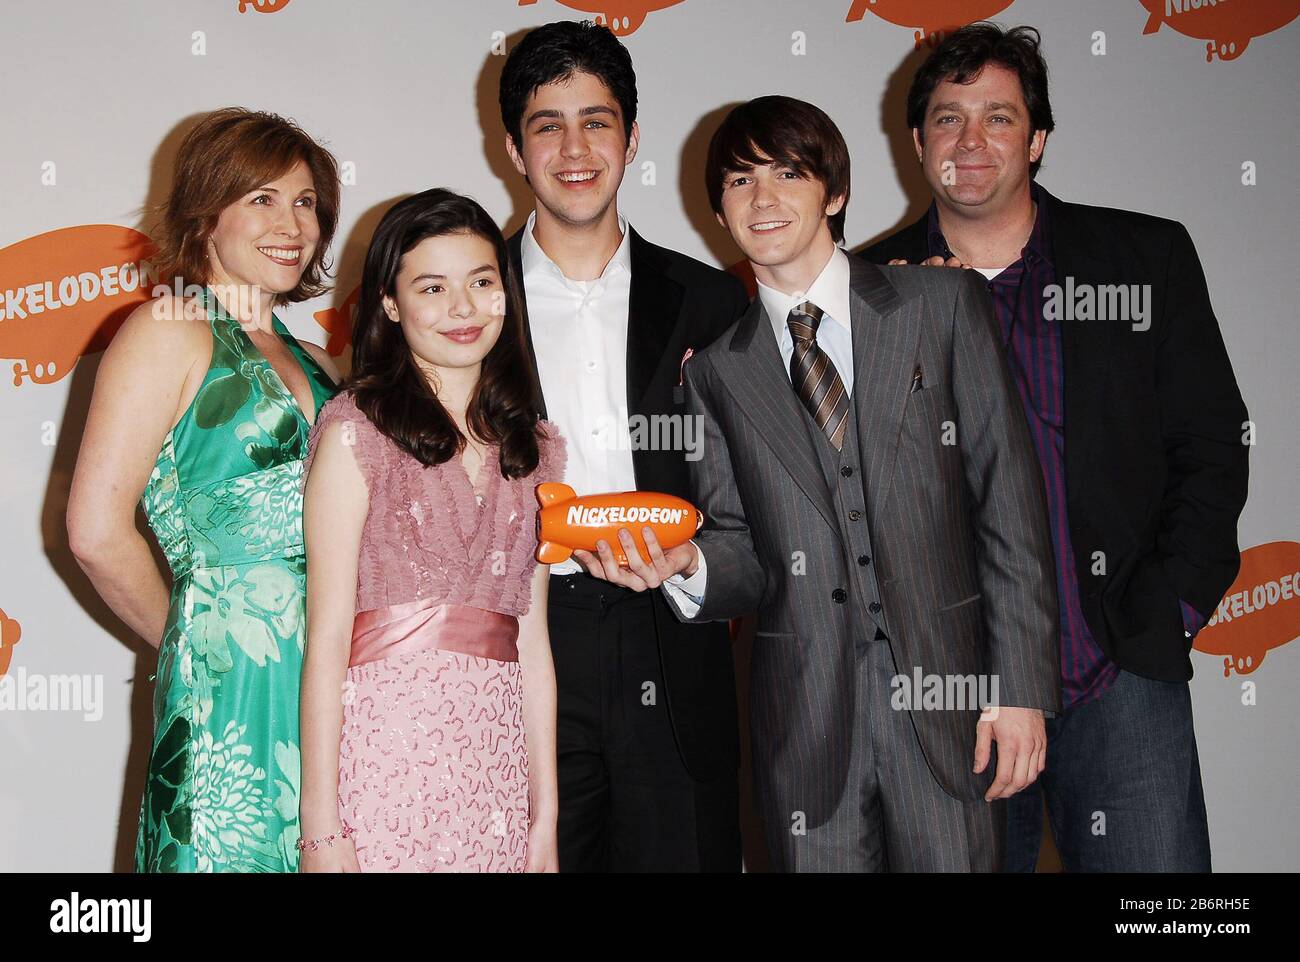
{"x": 646, "y": 736}
{"x": 1141, "y": 433}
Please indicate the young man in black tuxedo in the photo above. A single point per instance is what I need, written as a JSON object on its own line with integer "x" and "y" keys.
{"x": 646, "y": 734}
{"x": 1141, "y": 434}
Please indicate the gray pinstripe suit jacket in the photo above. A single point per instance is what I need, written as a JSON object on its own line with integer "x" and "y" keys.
{"x": 959, "y": 531}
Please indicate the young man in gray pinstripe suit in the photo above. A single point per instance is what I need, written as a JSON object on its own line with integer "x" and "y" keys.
{"x": 871, "y": 489}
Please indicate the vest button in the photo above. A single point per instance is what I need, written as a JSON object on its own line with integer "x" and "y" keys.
{"x": 839, "y": 596}
{"x": 875, "y": 607}
{"x": 855, "y": 515}
{"x": 864, "y": 559}
{"x": 846, "y": 471}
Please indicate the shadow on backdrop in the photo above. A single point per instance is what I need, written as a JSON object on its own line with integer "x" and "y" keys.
{"x": 54, "y": 534}
{"x": 494, "y": 138}
{"x": 893, "y": 124}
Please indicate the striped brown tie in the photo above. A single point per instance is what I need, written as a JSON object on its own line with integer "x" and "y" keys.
{"x": 813, "y": 375}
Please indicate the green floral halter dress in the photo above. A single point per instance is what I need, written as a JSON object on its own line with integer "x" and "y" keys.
{"x": 225, "y": 502}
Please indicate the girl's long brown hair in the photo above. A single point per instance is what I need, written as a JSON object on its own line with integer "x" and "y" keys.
{"x": 387, "y": 385}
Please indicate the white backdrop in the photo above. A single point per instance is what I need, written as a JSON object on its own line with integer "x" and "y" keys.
{"x": 97, "y": 95}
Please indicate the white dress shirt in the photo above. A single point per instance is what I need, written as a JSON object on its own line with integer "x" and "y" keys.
{"x": 579, "y": 331}
{"x": 830, "y": 292}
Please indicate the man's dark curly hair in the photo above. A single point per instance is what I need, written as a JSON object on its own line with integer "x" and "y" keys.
{"x": 964, "y": 53}
{"x": 555, "y": 52}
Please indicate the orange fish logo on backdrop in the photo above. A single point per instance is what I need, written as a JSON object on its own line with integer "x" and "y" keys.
{"x": 1227, "y": 25}
{"x": 337, "y": 321}
{"x": 1260, "y": 612}
{"x": 931, "y": 19}
{"x": 621, "y": 16}
{"x": 262, "y": 6}
{"x": 10, "y": 632}
{"x": 64, "y": 294}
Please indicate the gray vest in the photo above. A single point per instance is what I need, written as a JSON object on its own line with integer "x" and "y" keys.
{"x": 844, "y": 477}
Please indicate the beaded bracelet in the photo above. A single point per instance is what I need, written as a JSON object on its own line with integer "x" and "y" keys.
{"x": 312, "y": 844}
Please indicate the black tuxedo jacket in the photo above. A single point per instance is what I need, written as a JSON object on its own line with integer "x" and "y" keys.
{"x": 676, "y": 303}
{"x": 1156, "y": 467}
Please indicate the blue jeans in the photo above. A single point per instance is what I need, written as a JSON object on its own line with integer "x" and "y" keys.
{"x": 1122, "y": 783}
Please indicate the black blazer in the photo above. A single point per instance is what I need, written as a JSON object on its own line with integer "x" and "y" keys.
{"x": 676, "y": 303}
{"x": 1155, "y": 464}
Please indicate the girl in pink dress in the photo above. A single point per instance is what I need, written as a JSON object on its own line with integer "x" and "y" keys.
{"x": 428, "y": 693}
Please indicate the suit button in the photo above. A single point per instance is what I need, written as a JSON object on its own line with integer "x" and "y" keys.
{"x": 846, "y": 471}
{"x": 839, "y": 596}
{"x": 864, "y": 559}
{"x": 875, "y": 607}
{"x": 855, "y": 515}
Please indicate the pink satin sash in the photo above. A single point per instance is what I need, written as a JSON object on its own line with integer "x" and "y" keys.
{"x": 422, "y": 624}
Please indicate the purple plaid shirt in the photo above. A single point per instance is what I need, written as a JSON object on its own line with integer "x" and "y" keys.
{"x": 1033, "y": 348}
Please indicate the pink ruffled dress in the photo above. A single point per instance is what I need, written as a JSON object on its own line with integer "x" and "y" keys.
{"x": 433, "y": 768}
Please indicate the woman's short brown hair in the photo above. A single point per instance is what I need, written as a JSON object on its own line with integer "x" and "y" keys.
{"x": 785, "y": 131}
{"x": 230, "y": 152}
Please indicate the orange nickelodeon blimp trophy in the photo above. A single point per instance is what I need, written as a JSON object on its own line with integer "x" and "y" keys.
{"x": 566, "y": 521}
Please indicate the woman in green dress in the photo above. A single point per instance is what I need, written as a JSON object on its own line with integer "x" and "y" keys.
{"x": 201, "y": 412}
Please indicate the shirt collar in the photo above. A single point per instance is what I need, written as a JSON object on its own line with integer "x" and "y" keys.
{"x": 533, "y": 258}
{"x": 1039, "y": 245}
{"x": 830, "y": 292}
